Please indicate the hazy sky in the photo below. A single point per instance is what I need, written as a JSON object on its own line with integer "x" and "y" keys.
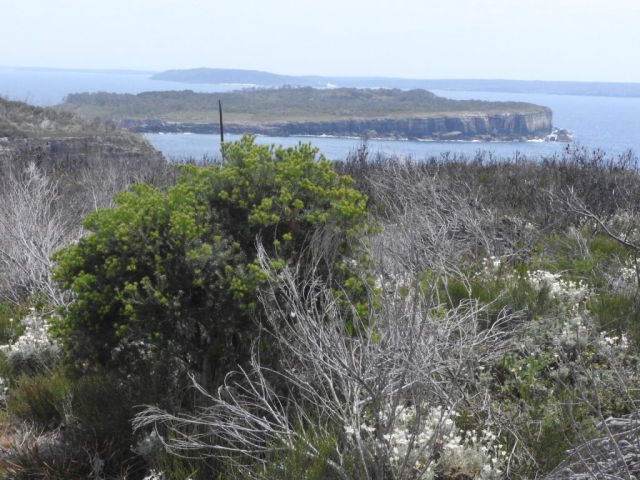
{"x": 582, "y": 40}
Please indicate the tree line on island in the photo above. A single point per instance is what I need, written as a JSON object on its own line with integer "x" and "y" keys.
{"x": 285, "y": 104}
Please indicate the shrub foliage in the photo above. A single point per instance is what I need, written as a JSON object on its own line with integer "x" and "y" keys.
{"x": 174, "y": 269}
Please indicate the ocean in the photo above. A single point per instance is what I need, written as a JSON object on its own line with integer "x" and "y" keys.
{"x": 607, "y": 123}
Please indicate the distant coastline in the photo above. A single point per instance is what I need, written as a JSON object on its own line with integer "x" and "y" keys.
{"x": 266, "y": 79}
{"x": 251, "y": 78}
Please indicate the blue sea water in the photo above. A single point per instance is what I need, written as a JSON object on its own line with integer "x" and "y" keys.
{"x": 607, "y": 123}
{"x": 195, "y": 145}
{"x": 46, "y": 87}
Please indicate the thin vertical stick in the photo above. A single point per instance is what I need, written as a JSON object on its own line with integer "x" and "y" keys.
{"x": 221, "y": 128}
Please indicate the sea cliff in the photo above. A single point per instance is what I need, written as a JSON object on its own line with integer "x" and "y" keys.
{"x": 79, "y": 149}
{"x": 510, "y": 126}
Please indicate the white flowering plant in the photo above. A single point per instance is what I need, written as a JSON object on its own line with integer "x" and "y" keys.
{"x": 575, "y": 354}
{"x": 559, "y": 288}
{"x": 426, "y": 443}
{"x": 35, "y": 349}
{"x": 557, "y": 365}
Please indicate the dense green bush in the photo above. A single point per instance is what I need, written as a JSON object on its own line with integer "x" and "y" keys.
{"x": 174, "y": 269}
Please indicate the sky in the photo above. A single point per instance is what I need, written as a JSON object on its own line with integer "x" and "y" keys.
{"x": 575, "y": 40}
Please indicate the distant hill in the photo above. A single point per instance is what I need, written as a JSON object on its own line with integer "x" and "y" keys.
{"x": 242, "y": 77}
{"x": 258, "y": 78}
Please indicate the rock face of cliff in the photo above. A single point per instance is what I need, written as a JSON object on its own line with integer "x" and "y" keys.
{"x": 497, "y": 126}
{"x": 509, "y": 126}
{"x": 65, "y": 152}
{"x": 76, "y": 150}
{"x": 44, "y": 133}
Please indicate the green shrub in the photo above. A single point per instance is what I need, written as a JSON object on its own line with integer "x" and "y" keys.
{"x": 43, "y": 399}
{"x": 174, "y": 270}
{"x": 620, "y": 313}
{"x": 104, "y": 406}
{"x": 102, "y": 409}
{"x": 548, "y": 438}
{"x": 588, "y": 259}
{"x": 504, "y": 288}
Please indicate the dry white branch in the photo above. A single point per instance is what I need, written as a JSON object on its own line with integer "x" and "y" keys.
{"x": 342, "y": 375}
{"x": 33, "y": 225}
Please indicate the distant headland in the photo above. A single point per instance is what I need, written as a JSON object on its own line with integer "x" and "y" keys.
{"x": 266, "y": 79}
{"x": 379, "y": 113}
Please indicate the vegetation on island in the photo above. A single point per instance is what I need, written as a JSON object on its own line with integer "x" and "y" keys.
{"x": 255, "y": 106}
{"x": 273, "y": 315}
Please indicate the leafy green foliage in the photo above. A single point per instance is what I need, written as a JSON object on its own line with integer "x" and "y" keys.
{"x": 579, "y": 255}
{"x": 175, "y": 269}
{"x": 506, "y": 288}
{"x": 166, "y": 284}
{"x": 620, "y": 313}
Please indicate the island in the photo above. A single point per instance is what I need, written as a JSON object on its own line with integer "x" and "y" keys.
{"x": 299, "y": 111}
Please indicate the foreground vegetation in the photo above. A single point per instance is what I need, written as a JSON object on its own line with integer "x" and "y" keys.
{"x": 274, "y": 315}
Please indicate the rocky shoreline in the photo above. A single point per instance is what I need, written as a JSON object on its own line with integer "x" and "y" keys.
{"x": 483, "y": 127}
